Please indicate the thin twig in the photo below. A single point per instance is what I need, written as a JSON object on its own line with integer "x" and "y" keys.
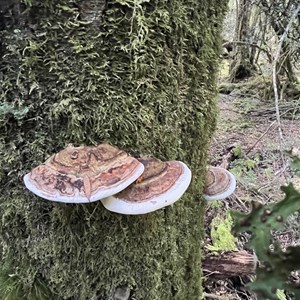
{"x": 245, "y": 208}
{"x": 257, "y": 141}
{"x": 276, "y": 96}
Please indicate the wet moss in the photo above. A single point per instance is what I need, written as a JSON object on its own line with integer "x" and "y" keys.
{"x": 140, "y": 75}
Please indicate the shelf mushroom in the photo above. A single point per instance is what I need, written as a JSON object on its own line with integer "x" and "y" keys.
{"x": 220, "y": 184}
{"x": 83, "y": 174}
{"x": 161, "y": 184}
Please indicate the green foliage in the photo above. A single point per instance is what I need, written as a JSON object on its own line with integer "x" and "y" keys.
{"x": 243, "y": 167}
{"x": 142, "y": 77}
{"x": 276, "y": 264}
{"x": 222, "y": 238}
{"x": 237, "y": 151}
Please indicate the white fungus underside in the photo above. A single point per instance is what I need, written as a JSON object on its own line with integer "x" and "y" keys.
{"x": 225, "y": 194}
{"x": 102, "y": 193}
{"x": 125, "y": 207}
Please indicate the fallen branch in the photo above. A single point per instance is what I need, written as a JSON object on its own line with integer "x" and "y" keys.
{"x": 213, "y": 296}
{"x": 223, "y": 264}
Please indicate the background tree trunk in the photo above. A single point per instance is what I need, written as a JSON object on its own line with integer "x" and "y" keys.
{"x": 136, "y": 74}
{"x": 278, "y": 19}
{"x": 241, "y": 67}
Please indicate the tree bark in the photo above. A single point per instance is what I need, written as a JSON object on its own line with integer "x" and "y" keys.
{"x": 140, "y": 75}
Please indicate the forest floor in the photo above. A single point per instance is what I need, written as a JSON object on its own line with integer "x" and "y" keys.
{"x": 247, "y": 143}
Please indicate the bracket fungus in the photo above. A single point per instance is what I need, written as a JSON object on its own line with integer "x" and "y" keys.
{"x": 161, "y": 184}
{"x": 83, "y": 174}
{"x": 220, "y": 184}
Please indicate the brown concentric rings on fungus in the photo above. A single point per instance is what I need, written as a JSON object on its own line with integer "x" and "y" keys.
{"x": 83, "y": 174}
{"x": 161, "y": 184}
{"x": 220, "y": 184}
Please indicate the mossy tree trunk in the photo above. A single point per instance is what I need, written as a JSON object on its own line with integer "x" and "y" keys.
{"x": 136, "y": 74}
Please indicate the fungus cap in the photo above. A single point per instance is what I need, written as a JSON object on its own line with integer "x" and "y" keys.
{"x": 161, "y": 184}
{"x": 83, "y": 174}
{"x": 220, "y": 184}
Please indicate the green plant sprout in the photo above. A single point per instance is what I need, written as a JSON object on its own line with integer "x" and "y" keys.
{"x": 276, "y": 265}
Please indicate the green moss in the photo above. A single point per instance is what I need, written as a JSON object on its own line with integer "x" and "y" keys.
{"x": 12, "y": 286}
{"x": 221, "y": 236}
{"x": 141, "y": 77}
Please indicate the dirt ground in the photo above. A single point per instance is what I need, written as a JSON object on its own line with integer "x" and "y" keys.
{"x": 247, "y": 142}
